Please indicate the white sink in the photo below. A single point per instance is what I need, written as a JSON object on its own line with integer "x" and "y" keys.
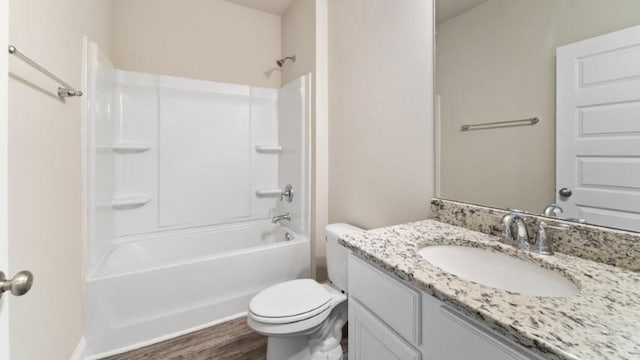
{"x": 499, "y": 271}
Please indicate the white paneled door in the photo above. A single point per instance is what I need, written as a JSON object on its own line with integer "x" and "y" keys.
{"x": 598, "y": 129}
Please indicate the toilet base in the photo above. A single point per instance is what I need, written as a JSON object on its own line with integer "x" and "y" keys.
{"x": 321, "y": 344}
{"x": 290, "y": 348}
{"x": 297, "y": 348}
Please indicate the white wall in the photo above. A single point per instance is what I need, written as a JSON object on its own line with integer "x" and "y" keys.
{"x": 497, "y": 62}
{"x": 380, "y": 110}
{"x": 201, "y": 39}
{"x": 293, "y": 161}
{"x": 45, "y": 187}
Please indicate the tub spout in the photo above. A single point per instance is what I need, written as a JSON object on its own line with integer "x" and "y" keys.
{"x": 278, "y": 218}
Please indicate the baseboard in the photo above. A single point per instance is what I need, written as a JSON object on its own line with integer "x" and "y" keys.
{"x": 79, "y": 352}
{"x": 160, "y": 339}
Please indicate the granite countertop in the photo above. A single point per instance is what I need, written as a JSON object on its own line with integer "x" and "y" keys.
{"x": 602, "y": 321}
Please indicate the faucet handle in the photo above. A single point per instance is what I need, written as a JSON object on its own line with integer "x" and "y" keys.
{"x": 287, "y": 193}
{"x": 541, "y": 244}
{"x": 552, "y": 210}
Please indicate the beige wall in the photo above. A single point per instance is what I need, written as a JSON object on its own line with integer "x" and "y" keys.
{"x": 298, "y": 34}
{"x": 497, "y": 62}
{"x": 4, "y": 186}
{"x": 380, "y": 111}
{"x": 202, "y": 39}
{"x": 320, "y": 197}
{"x": 45, "y": 187}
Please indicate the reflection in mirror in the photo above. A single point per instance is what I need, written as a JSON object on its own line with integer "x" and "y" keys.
{"x": 496, "y": 64}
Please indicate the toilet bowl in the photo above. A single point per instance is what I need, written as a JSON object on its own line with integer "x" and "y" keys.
{"x": 303, "y": 318}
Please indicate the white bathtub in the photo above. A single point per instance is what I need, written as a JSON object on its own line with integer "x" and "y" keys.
{"x": 158, "y": 287}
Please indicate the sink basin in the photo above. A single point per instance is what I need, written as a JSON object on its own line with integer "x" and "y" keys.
{"x": 498, "y": 270}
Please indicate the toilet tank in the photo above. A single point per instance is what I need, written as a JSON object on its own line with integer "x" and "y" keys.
{"x": 337, "y": 254}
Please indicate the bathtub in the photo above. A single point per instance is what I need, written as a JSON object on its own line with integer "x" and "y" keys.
{"x": 156, "y": 287}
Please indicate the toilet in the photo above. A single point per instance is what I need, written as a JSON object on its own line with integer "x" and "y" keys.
{"x": 303, "y": 318}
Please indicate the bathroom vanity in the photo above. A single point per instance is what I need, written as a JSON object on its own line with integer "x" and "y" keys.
{"x": 401, "y": 306}
{"x": 416, "y": 325}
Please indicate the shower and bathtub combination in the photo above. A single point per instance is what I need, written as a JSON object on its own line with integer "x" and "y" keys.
{"x": 183, "y": 178}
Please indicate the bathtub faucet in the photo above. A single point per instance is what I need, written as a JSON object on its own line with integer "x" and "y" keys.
{"x": 278, "y": 218}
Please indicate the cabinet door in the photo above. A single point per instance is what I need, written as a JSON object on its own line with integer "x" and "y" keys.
{"x": 463, "y": 339}
{"x": 404, "y": 316}
{"x": 371, "y": 339}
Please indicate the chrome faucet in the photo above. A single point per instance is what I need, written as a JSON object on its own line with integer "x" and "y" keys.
{"x": 552, "y": 210}
{"x": 277, "y": 218}
{"x": 540, "y": 243}
{"x": 520, "y": 237}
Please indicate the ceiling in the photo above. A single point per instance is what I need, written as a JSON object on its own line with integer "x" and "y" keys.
{"x": 277, "y": 7}
{"x": 446, "y": 9}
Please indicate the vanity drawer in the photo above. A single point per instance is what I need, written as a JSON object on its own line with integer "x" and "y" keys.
{"x": 479, "y": 342}
{"x": 395, "y": 303}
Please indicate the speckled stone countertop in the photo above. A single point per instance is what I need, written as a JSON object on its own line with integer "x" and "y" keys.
{"x": 609, "y": 246}
{"x": 602, "y": 321}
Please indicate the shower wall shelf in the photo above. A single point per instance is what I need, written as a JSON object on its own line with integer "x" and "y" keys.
{"x": 269, "y": 149}
{"x": 126, "y": 148}
{"x": 130, "y": 147}
{"x": 268, "y": 192}
{"x": 129, "y": 202}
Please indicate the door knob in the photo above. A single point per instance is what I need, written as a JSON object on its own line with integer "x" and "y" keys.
{"x": 19, "y": 285}
{"x": 564, "y": 192}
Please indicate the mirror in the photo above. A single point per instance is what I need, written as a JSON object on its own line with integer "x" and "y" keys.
{"x": 557, "y": 85}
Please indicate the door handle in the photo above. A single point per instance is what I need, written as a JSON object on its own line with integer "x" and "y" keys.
{"x": 19, "y": 285}
{"x": 564, "y": 192}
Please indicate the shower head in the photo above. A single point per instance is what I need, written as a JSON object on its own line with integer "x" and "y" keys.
{"x": 284, "y": 60}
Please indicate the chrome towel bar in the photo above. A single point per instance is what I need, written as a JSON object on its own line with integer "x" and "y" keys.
{"x": 64, "y": 91}
{"x": 497, "y": 124}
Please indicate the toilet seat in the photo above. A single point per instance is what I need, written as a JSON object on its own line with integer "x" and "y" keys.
{"x": 289, "y": 302}
{"x": 291, "y": 319}
{"x": 298, "y": 324}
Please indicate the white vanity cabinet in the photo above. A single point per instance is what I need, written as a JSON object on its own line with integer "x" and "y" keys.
{"x": 389, "y": 319}
{"x": 370, "y": 338}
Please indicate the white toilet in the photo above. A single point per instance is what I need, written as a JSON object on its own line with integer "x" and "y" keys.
{"x": 302, "y": 318}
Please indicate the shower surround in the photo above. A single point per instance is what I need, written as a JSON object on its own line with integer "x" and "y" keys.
{"x": 178, "y": 235}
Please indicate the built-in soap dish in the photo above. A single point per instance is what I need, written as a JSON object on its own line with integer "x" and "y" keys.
{"x": 268, "y": 149}
{"x": 275, "y": 192}
{"x": 126, "y": 148}
{"x": 129, "y": 202}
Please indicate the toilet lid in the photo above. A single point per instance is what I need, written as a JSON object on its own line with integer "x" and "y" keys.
{"x": 289, "y": 299}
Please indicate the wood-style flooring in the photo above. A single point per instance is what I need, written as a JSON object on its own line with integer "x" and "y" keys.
{"x": 232, "y": 340}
